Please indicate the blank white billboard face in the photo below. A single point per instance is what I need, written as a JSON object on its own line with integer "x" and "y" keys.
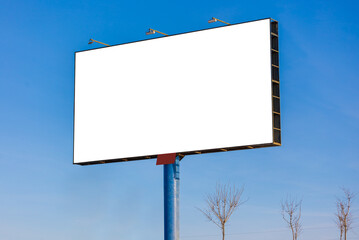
{"x": 210, "y": 89}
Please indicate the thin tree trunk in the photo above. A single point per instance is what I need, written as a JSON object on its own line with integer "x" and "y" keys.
{"x": 223, "y": 233}
{"x": 293, "y": 234}
{"x": 345, "y": 233}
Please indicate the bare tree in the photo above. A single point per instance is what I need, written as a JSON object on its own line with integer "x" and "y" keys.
{"x": 344, "y": 216}
{"x": 339, "y": 222}
{"x": 221, "y": 204}
{"x": 291, "y": 213}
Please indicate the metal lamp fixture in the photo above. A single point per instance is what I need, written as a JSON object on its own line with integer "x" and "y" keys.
{"x": 150, "y": 31}
{"x": 93, "y": 40}
{"x": 213, "y": 19}
{"x": 153, "y": 31}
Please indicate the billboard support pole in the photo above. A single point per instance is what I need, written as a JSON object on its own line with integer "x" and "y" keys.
{"x": 171, "y": 200}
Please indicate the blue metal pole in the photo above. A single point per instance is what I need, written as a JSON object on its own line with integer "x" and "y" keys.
{"x": 171, "y": 200}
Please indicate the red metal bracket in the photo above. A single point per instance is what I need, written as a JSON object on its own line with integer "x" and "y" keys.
{"x": 166, "y": 159}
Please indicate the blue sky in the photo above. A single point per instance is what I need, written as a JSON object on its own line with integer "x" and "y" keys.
{"x": 44, "y": 196}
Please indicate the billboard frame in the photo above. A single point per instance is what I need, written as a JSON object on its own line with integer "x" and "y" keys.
{"x": 276, "y": 119}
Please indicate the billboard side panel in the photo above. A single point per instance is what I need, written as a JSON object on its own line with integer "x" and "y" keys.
{"x": 274, "y": 48}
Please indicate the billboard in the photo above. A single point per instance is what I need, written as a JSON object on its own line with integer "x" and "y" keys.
{"x": 205, "y": 91}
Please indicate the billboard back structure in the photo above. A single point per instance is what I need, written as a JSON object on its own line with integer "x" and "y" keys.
{"x": 198, "y": 92}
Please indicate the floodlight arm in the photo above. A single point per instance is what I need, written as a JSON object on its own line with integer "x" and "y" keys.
{"x": 153, "y": 31}
{"x": 216, "y": 19}
{"x": 93, "y": 40}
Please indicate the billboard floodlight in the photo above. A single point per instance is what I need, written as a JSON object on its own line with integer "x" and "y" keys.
{"x": 152, "y": 31}
{"x": 93, "y": 40}
{"x": 213, "y": 19}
